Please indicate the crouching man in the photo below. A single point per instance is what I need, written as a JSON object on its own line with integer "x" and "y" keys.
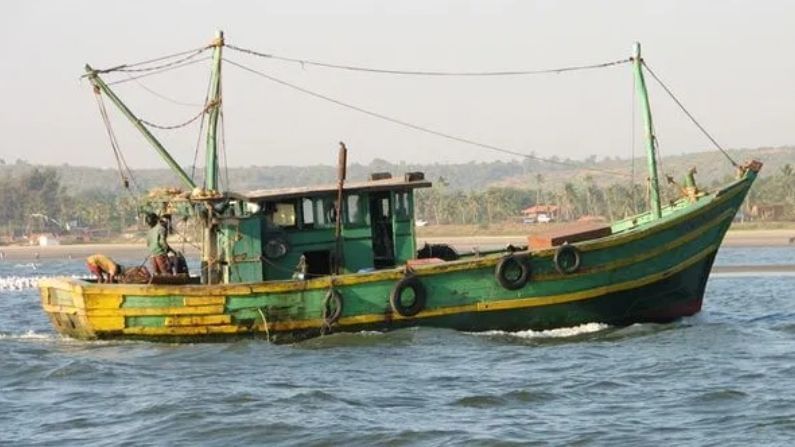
{"x": 104, "y": 268}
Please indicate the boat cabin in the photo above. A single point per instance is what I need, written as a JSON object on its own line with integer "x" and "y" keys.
{"x": 291, "y": 233}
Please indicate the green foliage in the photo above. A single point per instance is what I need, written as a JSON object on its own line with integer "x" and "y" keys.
{"x": 465, "y": 193}
{"x": 447, "y": 206}
{"x": 34, "y": 200}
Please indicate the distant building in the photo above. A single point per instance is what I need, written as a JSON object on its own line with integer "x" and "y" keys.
{"x": 44, "y": 239}
{"x": 767, "y": 212}
{"x": 540, "y": 213}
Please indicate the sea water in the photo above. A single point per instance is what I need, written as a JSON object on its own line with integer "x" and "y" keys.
{"x": 723, "y": 377}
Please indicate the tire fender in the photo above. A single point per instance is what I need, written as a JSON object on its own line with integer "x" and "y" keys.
{"x": 420, "y": 297}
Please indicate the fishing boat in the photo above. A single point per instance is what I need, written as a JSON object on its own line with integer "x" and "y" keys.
{"x": 294, "y": 263}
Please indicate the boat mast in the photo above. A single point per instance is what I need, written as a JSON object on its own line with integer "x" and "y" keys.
{"x": 214, "y": 109}
{"x": 210, "y": 264}
{"x": 651, "y": 139}
{"x": 100, "y": 85}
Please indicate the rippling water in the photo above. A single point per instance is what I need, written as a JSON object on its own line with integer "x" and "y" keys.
{"x": 723, "y": 377}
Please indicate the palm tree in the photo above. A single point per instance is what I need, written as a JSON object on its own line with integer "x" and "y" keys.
{"x": 539, "y": 192}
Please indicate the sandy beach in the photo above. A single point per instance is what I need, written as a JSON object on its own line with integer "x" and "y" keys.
{"x": 742, "y": 238}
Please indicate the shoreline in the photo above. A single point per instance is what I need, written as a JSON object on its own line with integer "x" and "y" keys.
{"x": 734, "y": 238}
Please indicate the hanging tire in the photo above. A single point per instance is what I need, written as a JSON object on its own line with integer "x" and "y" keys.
{"x": 567, "y": 259}
{"x": 416, "y": 305}
{"x": 275, "y": 248}
{"x": 332, "y": 307}
{"x": 512, "y": 272}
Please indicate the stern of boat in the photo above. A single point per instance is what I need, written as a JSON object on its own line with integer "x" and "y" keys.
{"x": 63, "y": 301}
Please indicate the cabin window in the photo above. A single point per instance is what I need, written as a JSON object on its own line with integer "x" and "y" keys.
{"x": 402, "y": 210}
{"x": 308, "y": 216}
{"x": 284, "y": 214}
{"x": 325, "y": 212}
{"x": 357, "y": 214}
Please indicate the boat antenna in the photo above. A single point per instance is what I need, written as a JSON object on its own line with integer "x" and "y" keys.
{"x": 342, "y": 163}
{"x": 651, "y": 139}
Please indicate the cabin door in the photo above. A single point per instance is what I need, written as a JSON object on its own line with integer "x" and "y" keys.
{"x": 383, "y": 243}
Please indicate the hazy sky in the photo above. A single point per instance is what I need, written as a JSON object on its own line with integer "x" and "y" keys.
{"x": 731, "y": 62}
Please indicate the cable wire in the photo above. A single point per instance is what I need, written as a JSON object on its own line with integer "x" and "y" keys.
{"x": 128, "y": 67}
{"x": 164, "y": 97}
{"x": 201, "y": 129}
{"x": 121, "y": 163}
{"x": 415, "y": 126}
{"x": 175, "y": 126}
{"x": 304, "y": 62}
{"x": 160, "y": 71}
{"x": 689, "y": 115}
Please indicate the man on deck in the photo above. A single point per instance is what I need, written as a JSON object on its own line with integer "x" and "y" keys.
{"x": 104, "y": 268}
{"x": 158, "y": 247}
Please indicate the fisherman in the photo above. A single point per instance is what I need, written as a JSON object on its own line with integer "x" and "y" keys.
{"x": 157, "y": 244}
{"x": 104, "y": 268}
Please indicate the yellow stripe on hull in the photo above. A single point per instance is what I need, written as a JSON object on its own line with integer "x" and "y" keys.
{"x": 517, "y": 303}
{"x": 99, "y": 309}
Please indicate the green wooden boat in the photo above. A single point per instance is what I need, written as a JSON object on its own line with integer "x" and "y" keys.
{"x": 295, "y": 263}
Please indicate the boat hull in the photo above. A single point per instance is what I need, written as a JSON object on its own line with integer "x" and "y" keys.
{"x": 654, "y": 271}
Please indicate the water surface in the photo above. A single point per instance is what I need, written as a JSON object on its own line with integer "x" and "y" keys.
{"x": 723, "y": 377}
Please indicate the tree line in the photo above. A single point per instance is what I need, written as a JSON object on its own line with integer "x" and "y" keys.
{"x": 36, "y": 201}
{"x": 444, "y": 205}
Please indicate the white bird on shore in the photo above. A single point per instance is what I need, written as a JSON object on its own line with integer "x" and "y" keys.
{"x": 8, "y": 283}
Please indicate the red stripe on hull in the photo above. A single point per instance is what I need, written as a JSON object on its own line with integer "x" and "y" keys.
{"x": 672, "y": 312}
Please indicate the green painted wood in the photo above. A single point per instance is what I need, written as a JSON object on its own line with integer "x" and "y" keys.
{"x": 403, "y": 226}
{"x": 242, "y": 242}
{"x": 211, "y": 158}
{"x": 133, "y": 301}
{"x": 683, "y": 236}
{"x": 651, "y": 139}
{"x": 144, "y": 321}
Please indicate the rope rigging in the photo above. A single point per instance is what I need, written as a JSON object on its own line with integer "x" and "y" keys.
{"x": 186, "y": 58}
{"x": 304, "y": 62}
{"x": 201, "y": 130}
{"x": 416, "y": 126}
{"x": 164, "y": 97}
{"x": 160, "y": 71}
{"x": 176, "y": 126}
{"x": 129, "y": 67}
{"x": 689, "y": 115}
{"x": 121, "y": 163}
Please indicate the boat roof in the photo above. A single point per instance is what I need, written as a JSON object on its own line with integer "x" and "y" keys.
{"x": 389, "y": 184}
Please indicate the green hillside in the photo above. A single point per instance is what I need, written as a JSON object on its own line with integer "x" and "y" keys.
{"x": 522, "y": 174}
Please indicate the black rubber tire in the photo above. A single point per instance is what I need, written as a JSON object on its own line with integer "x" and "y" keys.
{"x": 332, "y": 307}
{"x": 420, "y": 297}
{"x": 505, "y": 264}
{"x": 561, "y": 253}
{"x": 275, "y": 248}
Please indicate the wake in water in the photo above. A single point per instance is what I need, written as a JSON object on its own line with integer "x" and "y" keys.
{"x": 28, "y": 282}
{"x": 29, "y": 335}
{"x": 564, "y": 332}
